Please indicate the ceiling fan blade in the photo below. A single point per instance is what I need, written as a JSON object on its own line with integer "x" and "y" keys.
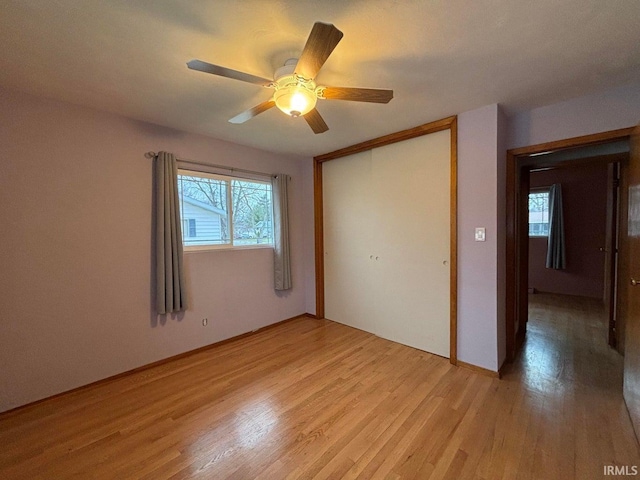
{"x": 316, "y": 122}
{"x": 322, "y": 40}
{"x": 357, "y": 94}
{"x": 252, "y": 112}
{"x": 227, "y": 72}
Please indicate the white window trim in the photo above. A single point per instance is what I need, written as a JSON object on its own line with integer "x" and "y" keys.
{"x": 226, "y": 246}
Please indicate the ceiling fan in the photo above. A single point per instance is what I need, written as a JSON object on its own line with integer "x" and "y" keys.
{"x": 296, "y": 91}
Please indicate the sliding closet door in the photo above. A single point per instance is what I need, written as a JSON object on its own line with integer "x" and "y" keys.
{"x": 411, "y": 204}
{"x": 386, "y": 240}
{"x": 347, "y": 240}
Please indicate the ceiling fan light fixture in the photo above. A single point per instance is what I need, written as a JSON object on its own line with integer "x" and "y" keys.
{"x": 295, "y": 95}
{"x": 296, "y": 92}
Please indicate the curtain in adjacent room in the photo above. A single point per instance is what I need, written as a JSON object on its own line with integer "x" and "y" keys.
{"x": 171, "y": 295}
{"x": 555, "y": 246}
{"x": 281, "y": 251}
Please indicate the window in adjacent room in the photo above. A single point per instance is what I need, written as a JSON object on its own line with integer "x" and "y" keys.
{"x": 539, "y": 212}
{"x": 219, "y": 211}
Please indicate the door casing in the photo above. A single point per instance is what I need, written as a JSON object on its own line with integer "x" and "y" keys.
{"x": 519, "y": 161}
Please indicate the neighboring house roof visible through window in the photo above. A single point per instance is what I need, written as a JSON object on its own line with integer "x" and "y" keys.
{"x": 203, "y": 205}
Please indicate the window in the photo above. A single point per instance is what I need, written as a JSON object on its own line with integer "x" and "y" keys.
{"x": 228, "y": 212}
{"x": 189, "y": 227}
{"x": 539, "y": 213}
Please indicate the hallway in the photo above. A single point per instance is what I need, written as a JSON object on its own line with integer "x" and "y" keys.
{"x": 571, "y": 382}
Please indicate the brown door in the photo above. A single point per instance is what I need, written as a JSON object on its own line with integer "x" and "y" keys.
{"x": 631, "y": 289}
{"x": 610, "y": 250}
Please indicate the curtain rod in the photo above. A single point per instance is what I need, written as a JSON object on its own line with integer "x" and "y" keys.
{"x": 223, "y": 167}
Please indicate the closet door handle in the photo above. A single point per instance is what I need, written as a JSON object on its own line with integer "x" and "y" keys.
{"x": 634, "y": 282}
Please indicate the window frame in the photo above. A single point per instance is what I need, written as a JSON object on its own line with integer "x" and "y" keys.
{"x": 534, "y": 190}
{"x": 228, "y": 179}
{"x": 186, "y": 226}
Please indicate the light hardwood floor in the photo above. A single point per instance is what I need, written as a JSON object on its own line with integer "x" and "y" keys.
{"x": 316, "y": 399}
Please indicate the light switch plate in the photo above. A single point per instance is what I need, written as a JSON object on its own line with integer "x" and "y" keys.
{"x": 480, "y": 234}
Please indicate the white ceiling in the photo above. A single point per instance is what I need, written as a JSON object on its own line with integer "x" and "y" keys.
{"x": 440, "y": 58}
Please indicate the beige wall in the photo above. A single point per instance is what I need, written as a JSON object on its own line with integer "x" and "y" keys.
{"x": 75, "y": 249}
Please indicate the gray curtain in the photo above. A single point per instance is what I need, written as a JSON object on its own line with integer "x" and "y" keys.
{"x": 281, "y": 252}
{"x": 555, "y": 246}
{"x": 171, "y": 295}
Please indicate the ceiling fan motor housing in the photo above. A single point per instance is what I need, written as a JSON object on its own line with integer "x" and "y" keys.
{"x": 294, "y": 95}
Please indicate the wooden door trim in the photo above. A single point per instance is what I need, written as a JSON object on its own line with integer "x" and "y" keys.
{"x": 432, "y": 127}
{"x": 453, "y": 242}
{"x": 582, "y": 141}
{"x": 611, "y": 248}
{"x": 516, "y": 160}
{"x": 318, "y": 218}
{"x": 449, "y": 123}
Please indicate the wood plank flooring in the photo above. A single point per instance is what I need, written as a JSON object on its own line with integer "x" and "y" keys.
{"x": 316, "y": 399}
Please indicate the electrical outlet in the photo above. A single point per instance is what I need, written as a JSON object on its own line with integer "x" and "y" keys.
{"x": 205, "y": 321}
{"x": 480, "y": 234}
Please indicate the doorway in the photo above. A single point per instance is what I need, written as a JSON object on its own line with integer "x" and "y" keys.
{"x": 609, "y": 148}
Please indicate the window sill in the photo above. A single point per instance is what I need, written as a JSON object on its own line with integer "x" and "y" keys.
{"x": 214, "y": 248}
